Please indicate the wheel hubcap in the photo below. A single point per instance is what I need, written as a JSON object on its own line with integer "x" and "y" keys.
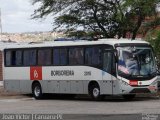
{"x": 96, "y": 92}
{"x": 37, "y": 91}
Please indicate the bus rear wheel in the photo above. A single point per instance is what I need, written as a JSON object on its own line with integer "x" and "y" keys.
{"x": 37, "y": 91}
{"x": 94, "y": 92}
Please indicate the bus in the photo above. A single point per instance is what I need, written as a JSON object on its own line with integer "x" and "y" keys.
{"x": 96, "y": 68}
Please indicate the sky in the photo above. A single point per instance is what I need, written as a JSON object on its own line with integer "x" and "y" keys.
{"x": 16, "y": 17}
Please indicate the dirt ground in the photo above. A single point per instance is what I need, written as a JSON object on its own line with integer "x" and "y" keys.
{"x": 4, "y": 94}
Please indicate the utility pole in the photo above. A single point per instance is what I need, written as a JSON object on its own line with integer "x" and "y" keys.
{"x": 1, "y": 24}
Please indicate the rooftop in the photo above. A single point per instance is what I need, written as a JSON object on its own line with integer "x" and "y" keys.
{"x": 69, "y": 43}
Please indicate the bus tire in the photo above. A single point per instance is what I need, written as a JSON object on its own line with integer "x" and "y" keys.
{"x": 94, "y": 92}
{"x": 129, "y": 97}
{"x": 37, "y": 91}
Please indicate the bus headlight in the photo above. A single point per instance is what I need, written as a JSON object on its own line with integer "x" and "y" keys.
{"x": 124, "y": 83}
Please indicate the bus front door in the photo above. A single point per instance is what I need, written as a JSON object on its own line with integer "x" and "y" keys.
{"x": 107, "y": 85}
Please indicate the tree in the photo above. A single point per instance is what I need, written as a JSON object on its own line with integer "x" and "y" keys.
{"x": 89, "y": 15}
{"x": 104, "y": 17}
{"x": 132, "y": 14}
{"x": 154, "y": 38}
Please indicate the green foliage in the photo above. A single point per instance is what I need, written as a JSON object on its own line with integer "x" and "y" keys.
{"x": 77, "y": 34}
{"x": 154, "y": 38}
{"x": 132, "y": 13}
{"x": 80, "y": 34}
{"x": 108, "y": 18}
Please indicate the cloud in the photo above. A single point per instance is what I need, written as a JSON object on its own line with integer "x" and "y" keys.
{"x": 16, "y": 17}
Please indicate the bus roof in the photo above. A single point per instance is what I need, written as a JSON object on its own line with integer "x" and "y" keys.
{"x": 4, "y": 44}
{"x": 74, "y": 43}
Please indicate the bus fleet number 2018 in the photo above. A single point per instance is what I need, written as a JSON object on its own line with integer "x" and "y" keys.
{"x": 87, "y": 73}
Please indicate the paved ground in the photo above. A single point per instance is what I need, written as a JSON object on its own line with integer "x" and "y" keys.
{"x": 17, "y": 103}
{"x": 84, "y": 108}
{"x": 27, "y": 104}
{"x": 112, "y": 108}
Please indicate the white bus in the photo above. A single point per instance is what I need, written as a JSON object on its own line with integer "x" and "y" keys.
{"x": 98, "y": 68}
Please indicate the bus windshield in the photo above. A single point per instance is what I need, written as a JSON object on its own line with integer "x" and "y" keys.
{"x": 136, "y": 62}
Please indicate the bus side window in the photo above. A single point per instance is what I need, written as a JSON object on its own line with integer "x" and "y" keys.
{"x": 93, "y": 56}
{"x": 63, "y": 57}
{"x": 29, "y": 57}
{"x": 60, "y": 57}
{"x": 18, "y": 56}
{"x": 56, "y": 57}
{"x": 96, "y": 56}
{"x": 107, "y": 62}
{"x": 44, "y": 57}
{"x": 88, "y": 56}
{"x": 76, "y": 56}
{"x": 13, "y": 58}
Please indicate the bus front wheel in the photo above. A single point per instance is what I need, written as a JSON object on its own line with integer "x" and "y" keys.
{"x": 94, "y": 92}
{"x": 37, "y": 91}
